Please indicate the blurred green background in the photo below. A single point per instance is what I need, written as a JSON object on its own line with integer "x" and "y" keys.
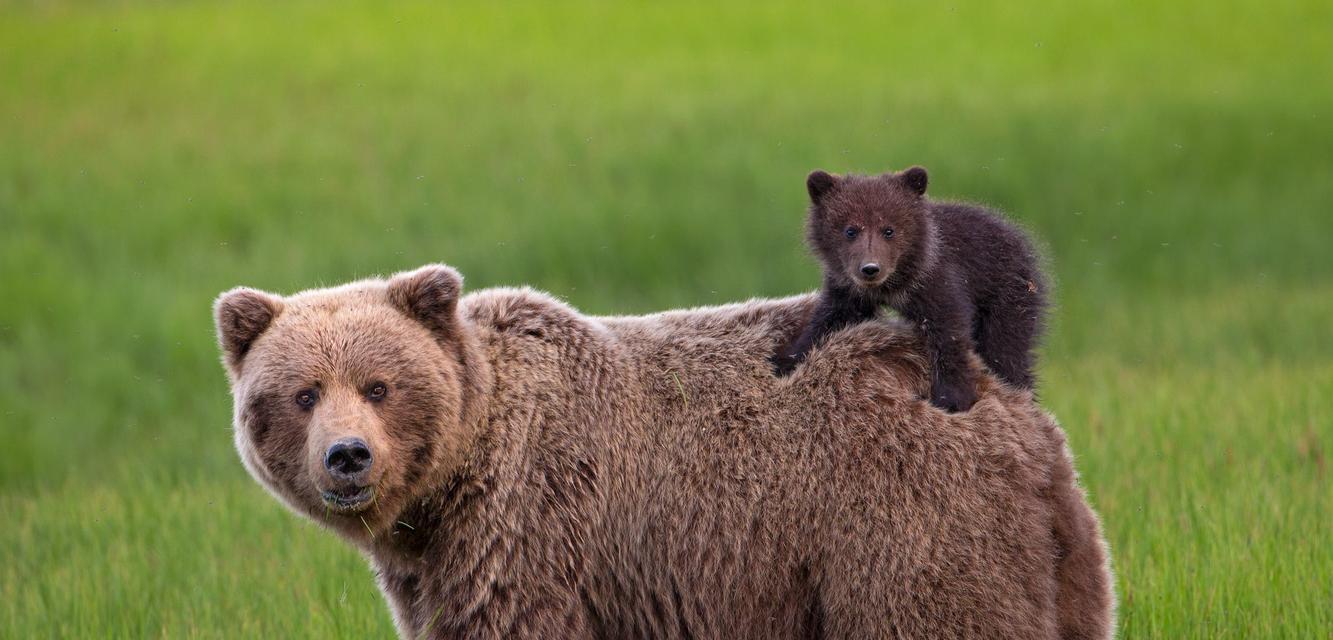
{"x": 1175, "y": 158}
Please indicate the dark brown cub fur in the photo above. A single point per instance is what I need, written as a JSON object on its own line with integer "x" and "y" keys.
{"x": 965, "y": 276}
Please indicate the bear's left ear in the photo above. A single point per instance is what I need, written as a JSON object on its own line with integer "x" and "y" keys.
{"x": 429, "y": 294}
{"x": 819, "y": 183}
{"x": 915, "y": 179}
{"x": 241, "y": 316}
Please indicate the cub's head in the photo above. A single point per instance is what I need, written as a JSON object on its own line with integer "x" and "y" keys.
{"x": 350, "y": 402}
{"x": 866, "y": 229}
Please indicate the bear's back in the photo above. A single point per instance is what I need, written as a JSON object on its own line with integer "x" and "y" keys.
{"x": 741, "y": 494}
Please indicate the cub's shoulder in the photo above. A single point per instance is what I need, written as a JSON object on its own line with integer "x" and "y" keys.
{"x": 967, "y": 213}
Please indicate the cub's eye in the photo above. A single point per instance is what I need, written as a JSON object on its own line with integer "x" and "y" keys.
{"x": 888, "y": 233}
{"x": 850, "y": 232}
{"x": 307, "y": 398}
{"x": 377, "y": 391}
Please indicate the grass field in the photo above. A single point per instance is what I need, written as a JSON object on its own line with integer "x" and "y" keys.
{"x": 1176, "y": 158}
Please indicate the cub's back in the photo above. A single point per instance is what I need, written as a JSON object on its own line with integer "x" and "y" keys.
{"x": 990, "y": 249}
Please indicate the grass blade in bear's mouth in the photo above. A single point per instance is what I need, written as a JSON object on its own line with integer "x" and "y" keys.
{"x": 348, "y": 499}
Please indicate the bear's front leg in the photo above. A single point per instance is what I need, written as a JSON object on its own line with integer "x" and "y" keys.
{"x": 945, "y": 320}
{"x": 528, "y": 608}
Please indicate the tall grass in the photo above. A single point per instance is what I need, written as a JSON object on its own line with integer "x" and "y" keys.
{"x": 1174, "y": 157}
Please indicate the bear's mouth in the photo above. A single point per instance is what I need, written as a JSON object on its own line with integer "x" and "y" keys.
{"x": 349, "y": 499}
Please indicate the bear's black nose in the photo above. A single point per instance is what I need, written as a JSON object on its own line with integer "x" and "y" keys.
{"x": 348, "y": 458}
{"x": 869, "y": 269}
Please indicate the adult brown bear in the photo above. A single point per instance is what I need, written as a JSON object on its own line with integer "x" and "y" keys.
{"x": 513, "y": 468}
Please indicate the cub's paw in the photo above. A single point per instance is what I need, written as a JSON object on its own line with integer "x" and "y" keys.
{"x": 953, "y": 396}
{"x": 783, "y": 365}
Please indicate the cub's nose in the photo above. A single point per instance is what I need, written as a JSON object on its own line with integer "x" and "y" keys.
{"x": 869, "y": 269}
{"x": 348, "y": 458}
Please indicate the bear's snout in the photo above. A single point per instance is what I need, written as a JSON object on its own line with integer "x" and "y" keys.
{"x": 870, "y": 273}
{"x": 348, "y": 460}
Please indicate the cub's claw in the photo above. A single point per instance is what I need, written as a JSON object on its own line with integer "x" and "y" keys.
{"x": 953, "y": 397}
{"x": 782, "y": 365}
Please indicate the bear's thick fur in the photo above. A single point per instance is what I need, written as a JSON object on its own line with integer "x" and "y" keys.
{"x": 539, "y": 473}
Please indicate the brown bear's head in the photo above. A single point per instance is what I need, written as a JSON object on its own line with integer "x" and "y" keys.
{"x": 864, "y": 228}
{"x": 350, "y": 402}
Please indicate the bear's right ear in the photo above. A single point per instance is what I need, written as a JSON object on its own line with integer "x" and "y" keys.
{"x": 916, "y": 180}
{"x": 241, "y": 316}
{"x": 819, "y": 183}
{"x": 429, "y": 294}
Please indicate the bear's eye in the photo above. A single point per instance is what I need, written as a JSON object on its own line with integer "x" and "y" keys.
{"x": 377, "y": 391}
{"x": 850, "y": 232}
{"x": 307, "y": 398}
{"x": 888, "y": 233}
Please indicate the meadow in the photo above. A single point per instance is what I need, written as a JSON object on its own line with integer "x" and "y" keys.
{"x": 1175, "y": 158}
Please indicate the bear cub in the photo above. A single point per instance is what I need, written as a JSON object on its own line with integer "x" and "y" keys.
{"x": 969, "y": 279}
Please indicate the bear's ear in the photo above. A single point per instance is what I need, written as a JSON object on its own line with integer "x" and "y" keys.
{"x": 819, "y": 183}
{"x": 429, "y": 294}
{"x": 915, "y": 179}
{"x": 241, "y": 316}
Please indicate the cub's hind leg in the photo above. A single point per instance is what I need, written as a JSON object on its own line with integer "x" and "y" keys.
{"x": 1007, "y": 331}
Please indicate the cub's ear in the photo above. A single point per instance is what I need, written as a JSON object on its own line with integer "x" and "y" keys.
{"x": 819, "y": 183}
{"x": 241, "y": 316}
{"x": 429, "y": 294}
{"x": 915, "y": 179}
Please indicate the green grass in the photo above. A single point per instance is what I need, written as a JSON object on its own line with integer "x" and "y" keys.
{"x": 1175, "y": 158}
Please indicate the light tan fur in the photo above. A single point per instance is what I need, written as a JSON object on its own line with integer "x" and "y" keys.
{"x": 548, "y": 474}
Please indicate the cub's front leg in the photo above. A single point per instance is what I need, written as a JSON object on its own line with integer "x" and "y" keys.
{"x": 837, "y": 309}
{"x": 945, "y": 320}
{"x": 953, "y": 390}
